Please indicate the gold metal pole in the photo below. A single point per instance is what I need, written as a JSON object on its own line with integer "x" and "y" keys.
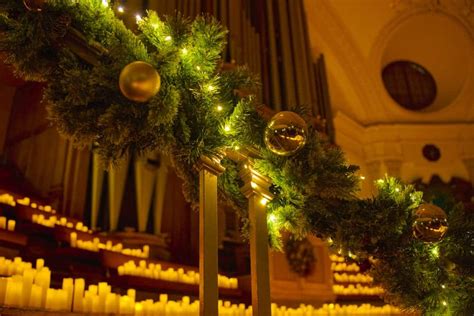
{"x": 256, "y": 189}
{"x": 209, "y": 169}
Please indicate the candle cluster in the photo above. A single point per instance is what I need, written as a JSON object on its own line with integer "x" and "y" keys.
{"x": 7, "y": 224}
{"x": 155, "y": 271}
{"x": 27, "y": 202}
{"x": 26, "y": 286}
{"x": 63, "y": 221}
{"x": 352, "y": 278}
{"x": 95, "y": 245}
{"x": 7, "y": 199}
{"x": 345, "y": 267}
{"x": 357, "y": 289}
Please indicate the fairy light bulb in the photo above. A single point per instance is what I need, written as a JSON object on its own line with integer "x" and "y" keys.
{"x": 105, "y": 3}
{"x": 168, "y": 38}
{"x": 272, "y": 218}
{"x": 138, "y": 17}
{"x": 219, "y": 108}
{"x": 263, "y": 201}
{"x": 120, "y": 9}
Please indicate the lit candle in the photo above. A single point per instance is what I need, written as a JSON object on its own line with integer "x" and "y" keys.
{"x": 3, "y": 289}
{"x": 68, "y": 288}
{"x": 28, "y": 277}
{"x": 35, "y": 297}
{"x": 79, "y": 285}
{"x": 73, "y": 239}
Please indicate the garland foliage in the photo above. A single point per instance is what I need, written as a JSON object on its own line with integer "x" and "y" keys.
{"x": 197, "y": 112}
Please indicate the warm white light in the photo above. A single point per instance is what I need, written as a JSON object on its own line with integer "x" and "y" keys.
{"x": 184, "y": 51}
{"x": 120, "y": 9}
{"x": 362, "y": 177}
{"x": 272, "y": 218}
{"x": 210, "y": 88}
{"x": 380, "y": 181}
{"x": 219, "y": 108}
{"x": 138, "y": 17}
{"x": 435, "y": 251}
{"x": 443, "y": 286}
{"x": 168, "y": 38}
{"x": 198, "y": 67}
{"x": 397, "y": 189}
{"x": 445, "y": 303}
{"x": 227, "y": 128}
{"x": 263, "y": 201}
{"x": 237, "y": 148}
{"x": 253, "y": 185}
{"x": 105, "y": 3}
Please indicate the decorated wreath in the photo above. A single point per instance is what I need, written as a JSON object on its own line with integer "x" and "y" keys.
{"x": 300, "y": 255}
{"x": 163, "y": 89}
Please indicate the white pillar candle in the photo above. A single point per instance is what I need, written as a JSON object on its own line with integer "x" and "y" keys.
{"x": 79, "y": 285}
{"x": 28, "y": 278}
{"x": 39, "y": 264}
{"x": 11, "y": 225}
{"x": 14, "y": 291}
{"x": 35, "y": 296}
{"x": 3, "y": 222}
{"x": 73, "y": 239}
{"x": 68, "y": 287}
{"x": 3, "y": 290}
{"x": 103, "y": 291}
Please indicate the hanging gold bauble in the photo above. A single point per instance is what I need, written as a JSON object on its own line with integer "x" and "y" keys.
{"x": 286, "y": 133}
{"x": 431, "y": 223}
{"x": 34, "y": 5}
{"x": 139, "y": 81}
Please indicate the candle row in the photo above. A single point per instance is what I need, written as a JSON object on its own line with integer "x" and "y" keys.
{"x": 29, "y": 287}
{"x": 336, "y": 258}
{"x": 352, "y": 278}
{"x": 155, "y": 271}
{"x": 341, "y": 267}
{"x": 53, "y": 221}
{"x": 27, "y": 202}
{"x": 7, "y": 224}
{"x": 95, "y": 245}
{"x": 17, "y": 266}
{"x": 358, "y": 289}
{"x": 7, "y": 199}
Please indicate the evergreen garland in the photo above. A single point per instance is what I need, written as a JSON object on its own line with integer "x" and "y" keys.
{"x": 198, "y": 112}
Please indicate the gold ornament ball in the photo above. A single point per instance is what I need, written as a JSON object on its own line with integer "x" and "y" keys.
{"x": 286, "y": 133}
{"x": 431, "y": 223}
{"x": 34, "y": 5}
{"x": 139, "y": 81}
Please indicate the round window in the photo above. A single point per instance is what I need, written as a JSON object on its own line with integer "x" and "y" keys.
{"x": 409, "y": 84}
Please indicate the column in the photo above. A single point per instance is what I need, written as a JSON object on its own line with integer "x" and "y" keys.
{"x": 256, "y": 189}
{"x": 209, "y": 169}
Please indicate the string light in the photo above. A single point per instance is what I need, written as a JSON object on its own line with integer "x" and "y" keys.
{"x": 380, "y": 181}
{"x": 198, "y": 67}
{"x": 120, "y": 9}
{"x": 219, "y": 108}
{"x": 237, "y": 148}
{"x": 445, "y": 303}
{"x": 138, "y": 17}
{"x": 184, "y": 51}
{"x": 263, "y": 201}
{"x": 105, "y": 3}
{"x": 435, "y": 251}
{"x": 272, "y": 218}
{"x": 362, "y": 177}
{"x": 210, "y": 88}
{"x": 443, "y": 286}
{"x": 167, "y": 38}
{"x": 227, "y": 128}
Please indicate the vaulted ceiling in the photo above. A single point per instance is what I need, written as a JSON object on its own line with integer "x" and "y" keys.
{"x": 358, "y": 38}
